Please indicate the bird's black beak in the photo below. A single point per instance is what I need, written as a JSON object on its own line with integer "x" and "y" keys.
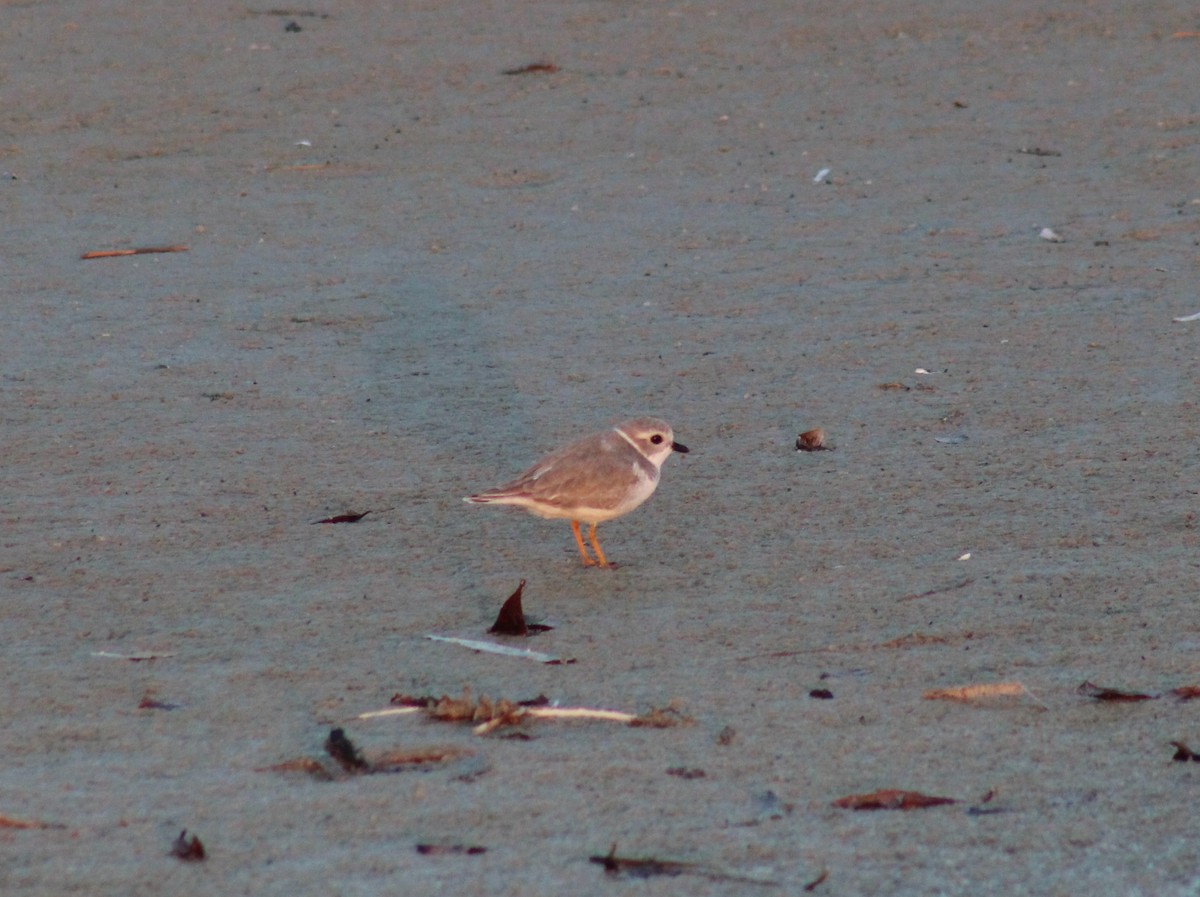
{"x": 679, "y": 447}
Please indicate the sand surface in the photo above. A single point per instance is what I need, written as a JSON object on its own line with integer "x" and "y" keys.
{"x": 409, "y": 274}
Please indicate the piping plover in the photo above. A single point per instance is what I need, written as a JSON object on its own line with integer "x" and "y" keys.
{"x": 593, "y": 479}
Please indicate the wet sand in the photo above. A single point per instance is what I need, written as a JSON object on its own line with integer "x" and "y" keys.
{"x": 409, "y": 273}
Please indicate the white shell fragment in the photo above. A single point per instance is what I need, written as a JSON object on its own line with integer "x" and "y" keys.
{"x": 1051, "y": 235}
{"x": 821, "y": 176}
{"x": 1185, "y": 318}
{"x": 493, "y": 648}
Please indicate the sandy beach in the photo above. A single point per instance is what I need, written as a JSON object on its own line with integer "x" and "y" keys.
{"x": 422, "y": 245}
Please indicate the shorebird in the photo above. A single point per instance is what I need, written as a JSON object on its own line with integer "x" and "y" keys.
{"x": 593, "y": 479}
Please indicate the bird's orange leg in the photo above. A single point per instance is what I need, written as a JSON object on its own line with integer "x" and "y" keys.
{"x": 596, "y": 545}
{"x": 587, "y": 561}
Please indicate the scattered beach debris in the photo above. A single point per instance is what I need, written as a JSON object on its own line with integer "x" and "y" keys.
{"x": 954, "y": 439}
{"x": 136, "y": 658}
{"x": 1100, "y": 693}
{"x": 352, "y": 762}
{"x": 7, "y": 821}
{"x": 821, "y": 177}
{"x": 919, "y": 640}
{"x": 650, "y": 867}
{"x": 436, "y": 850}
{"x": 821, "y": 694}
{"x": 961, "y": 584}
{"x": 349, "y": 517}
{"x": 989, "y": 691}
{"x": 149, "y": 702}
{"x": 1051, "y": 236}
{"x": 505, "y": 650}
{"x": 818, "y": 881}
{"x": 1183, "y": 753}
{"x": 548, "y": 68}
{"x": 511, "y": 619}
{"x": 812, "y": 441}
{"x": 188, "y": 849}
{"x": 981, "y": 808}
{"x": 891, "y": 799}
{"x": 490, "y": 715}
{"x": 289, "y": 13}
{"x": 1185, "y": 318}
{"x": 141, "y": 250}
{"x": 344, "y": 753}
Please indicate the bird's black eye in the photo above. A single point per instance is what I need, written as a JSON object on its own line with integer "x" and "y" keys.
{"x": 656, "y": 439}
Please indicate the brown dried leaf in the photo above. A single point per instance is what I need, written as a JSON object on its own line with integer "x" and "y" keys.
{"x": 13, "y": 822}
{"x": 462, "y": 709}
{"x": 548, "y": 68}
{"x": 189, "y": 850}
{"x": 645, "y": 867}
{"x": 1090, "y": 690}
{"x": 891, "y": 799}
{"x": 343, "y": 751}
{"x": 344, "y": 518}
{"x": 649, "y": 867}
{"x": 816, "y": 882}
{"x": 445, "y": 849}
{"x": 423, "y": 701}
{"x": 391, "y": 761}
{"x": 141, "y": 250}
{"x": 511, "y": 620}
{"x": 149, "y": 702}
{"x": 1183, "y": 753}
{"x": 506, "y": 713}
